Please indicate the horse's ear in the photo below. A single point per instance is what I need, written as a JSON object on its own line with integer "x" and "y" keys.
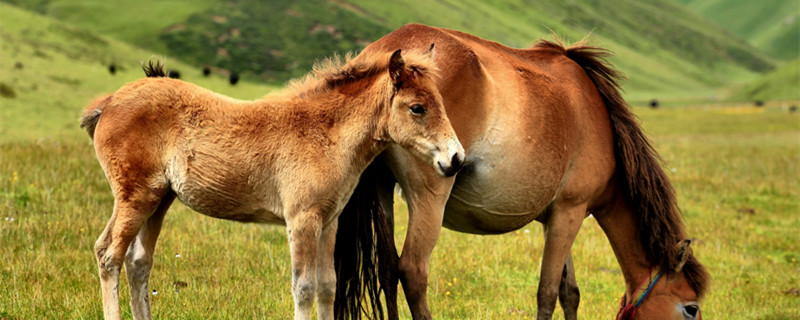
{"x": 683, "y": 251}
{"x": 397, "y": 68}
{"x": 431, "y": 51}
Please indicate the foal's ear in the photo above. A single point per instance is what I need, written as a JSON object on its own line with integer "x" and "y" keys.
{"x": 683, "y": 251}
{"x": 397, "y": 68}
{"x": 431, "y": 51}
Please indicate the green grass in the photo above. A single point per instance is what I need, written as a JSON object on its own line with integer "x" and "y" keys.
{"x": 725, "y": 163}
{"x": 735, "y": 169}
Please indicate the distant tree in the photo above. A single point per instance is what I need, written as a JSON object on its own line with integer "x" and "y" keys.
{"x": 234, "y": 79}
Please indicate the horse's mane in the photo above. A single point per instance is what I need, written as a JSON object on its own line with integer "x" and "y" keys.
{"x": 336, "y": 71}
{"x": 154, "y": 69}
{"x": 645, "y": 184}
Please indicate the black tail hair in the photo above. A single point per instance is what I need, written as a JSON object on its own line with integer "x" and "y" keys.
{"x": 365, "y": 255}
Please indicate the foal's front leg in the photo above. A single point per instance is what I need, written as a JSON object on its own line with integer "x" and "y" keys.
{"x": 304, "y": 231}
{"x": 326, "y": 272}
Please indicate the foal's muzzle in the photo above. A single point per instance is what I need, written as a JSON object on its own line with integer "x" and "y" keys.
{"x": 448, "y": 163}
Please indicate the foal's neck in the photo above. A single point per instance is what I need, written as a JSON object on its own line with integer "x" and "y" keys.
{"x": 354, "y": 119}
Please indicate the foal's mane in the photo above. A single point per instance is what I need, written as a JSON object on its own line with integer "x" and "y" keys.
{"x": 645, "y": 184}
{"x": 154, "y": 69}
{"x": 336, "y": 71}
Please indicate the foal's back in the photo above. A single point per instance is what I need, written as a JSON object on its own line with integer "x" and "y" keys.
{"x": 209, "y": 149}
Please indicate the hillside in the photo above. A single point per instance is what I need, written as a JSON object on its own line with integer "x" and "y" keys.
{"x": 782, "y": 83}
{"x": 666, "y": 49}
{"x": 51, "y": 70}
{"x": 663, "y": 47}
{"x": 771, "y": 26}
{"x": 135, "y": 22}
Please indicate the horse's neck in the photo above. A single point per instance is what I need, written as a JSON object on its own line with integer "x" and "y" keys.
{"x": 620, "y": 228}
{"x": 353, "y": 123}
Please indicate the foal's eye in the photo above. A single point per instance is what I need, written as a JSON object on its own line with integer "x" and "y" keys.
{"x": 417, "y": 109}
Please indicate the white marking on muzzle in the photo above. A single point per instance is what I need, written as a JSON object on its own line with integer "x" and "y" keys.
{"x": 449, "y": 160}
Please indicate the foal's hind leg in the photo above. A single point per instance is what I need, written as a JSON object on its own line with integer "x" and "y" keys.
{"x": 139, "y": 260}
{"x": 131, "y": 210}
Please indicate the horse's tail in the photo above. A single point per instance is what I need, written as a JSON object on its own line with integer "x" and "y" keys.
{"x": 644, "y": 182}
{"x": 91, "y": 114}
{"x": 364, "y": 252}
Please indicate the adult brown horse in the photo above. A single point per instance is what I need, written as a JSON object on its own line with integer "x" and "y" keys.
{"x": 548, "y": 138}
{"x": 293, "y": 158}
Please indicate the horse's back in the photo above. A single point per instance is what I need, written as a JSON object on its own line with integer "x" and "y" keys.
{"x": 536, "y": 129}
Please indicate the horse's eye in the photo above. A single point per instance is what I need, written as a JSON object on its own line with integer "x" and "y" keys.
{"x": 417, "y": 109}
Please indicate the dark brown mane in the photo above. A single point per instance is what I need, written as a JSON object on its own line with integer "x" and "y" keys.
{"x": 154, "y": 70}
{"x": 644, "y": 182}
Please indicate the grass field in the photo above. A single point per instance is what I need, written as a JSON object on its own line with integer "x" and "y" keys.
{"x": 735, "y": 168}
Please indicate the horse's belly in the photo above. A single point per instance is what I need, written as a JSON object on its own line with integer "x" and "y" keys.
{"x": 497, "y": 192}
{"x": 226, "y": 194}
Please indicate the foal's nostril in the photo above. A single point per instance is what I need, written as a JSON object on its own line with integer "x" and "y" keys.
{"x": 456, "y": 162}
{"x": 691, "y": 311}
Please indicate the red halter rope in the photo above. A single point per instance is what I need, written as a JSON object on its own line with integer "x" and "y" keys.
{"x": 627, "y": 311}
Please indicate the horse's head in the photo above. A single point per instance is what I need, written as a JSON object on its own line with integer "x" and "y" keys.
{"x": 417, "y": 119}
{"x": 671, "y": 294}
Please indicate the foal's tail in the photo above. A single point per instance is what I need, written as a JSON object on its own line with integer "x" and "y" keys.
{"x": 365, "y": 256}
{"x": 645, "y": 184}
{"x": 91, "y": 114}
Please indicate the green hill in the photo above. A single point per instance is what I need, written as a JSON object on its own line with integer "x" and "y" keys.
{"x": 663, "y": 47}
{"x": 782, "y": 83}
{"x": 772, "y": 26}
{"x": 666, "y": 49}
{"x": 50, "y": 70}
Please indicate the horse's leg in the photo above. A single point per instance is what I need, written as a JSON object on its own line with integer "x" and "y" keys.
{"x": 561, "y": 228}
{"x": 568, "y": 292}
{"x": 304, "y": 231}
{"x": 130, "y": 213}
{"x": 425, "y": 212}
{"x": 139, "y": 260}
{"x": 326, "y": 273}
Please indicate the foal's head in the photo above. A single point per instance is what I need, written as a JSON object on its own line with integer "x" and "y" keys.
{"x": 417, "y": 119}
